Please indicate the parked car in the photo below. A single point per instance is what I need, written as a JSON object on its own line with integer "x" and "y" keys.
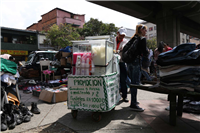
{"x": 35, "y": 57}
{"x": 32, "y": 65}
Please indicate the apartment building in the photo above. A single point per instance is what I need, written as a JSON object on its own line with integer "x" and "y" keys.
{"x": 151, "y": 33}
{"x": 17, "y": 42}
{"x": 58, "y": 16}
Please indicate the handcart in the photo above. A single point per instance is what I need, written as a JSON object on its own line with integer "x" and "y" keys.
{"x": 93, "y": 93}
{"x": 94, "y": 85}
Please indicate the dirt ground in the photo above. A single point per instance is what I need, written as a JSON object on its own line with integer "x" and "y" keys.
{"x": 51, "y": 128}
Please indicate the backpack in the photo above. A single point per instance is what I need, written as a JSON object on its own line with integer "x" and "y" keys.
{"x": 130, "y": 51}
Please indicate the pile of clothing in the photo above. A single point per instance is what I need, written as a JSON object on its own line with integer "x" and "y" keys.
{"x": 180, "y": 67}
{"x": 9, "y": 77}
{"x": 13, "y": 112}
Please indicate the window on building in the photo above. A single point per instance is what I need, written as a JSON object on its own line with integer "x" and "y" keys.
{"x": 151, "y": 36}
{"x": 77, "y": 17}
{"x": 7, "y": 38}
{"x": 154, "y": 27}
{"x": 14, "y": 40}
{"x": 1, "y": 38}
{"x": 183, "y": 40}
{"x": 72, "y": 16}
{"x": 150, "y": 28}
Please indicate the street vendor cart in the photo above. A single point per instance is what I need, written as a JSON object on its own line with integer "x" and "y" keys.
{"x": 94, "y": 84}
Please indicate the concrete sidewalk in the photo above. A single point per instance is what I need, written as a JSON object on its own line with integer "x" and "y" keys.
{"x": 155, "y": 119}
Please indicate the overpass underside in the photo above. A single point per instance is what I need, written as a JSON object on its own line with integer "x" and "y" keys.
{"x": 171, "y": 17}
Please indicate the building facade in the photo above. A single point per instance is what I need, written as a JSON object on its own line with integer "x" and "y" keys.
{"x": 129, "y": 33}
{"x": 18, "y": 43}
{"x": 194, "y": 40}
{"x": 58, "y": 16}
{"x": 42, "y": 45}
{"x": 151, "y": 33}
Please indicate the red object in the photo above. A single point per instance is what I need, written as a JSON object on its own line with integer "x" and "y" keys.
{"x": 168, "y": 48}
{"x": 118, "y": 44}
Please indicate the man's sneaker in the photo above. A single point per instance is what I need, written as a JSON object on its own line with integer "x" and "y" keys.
{"x": 125, "y": 100}
{"x": 136, "y": 108}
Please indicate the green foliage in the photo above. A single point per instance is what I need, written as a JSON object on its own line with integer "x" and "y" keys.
{"x": 152, "y": 44}
{"x": 94, "y": 27}
{"x": 62, "y": 35}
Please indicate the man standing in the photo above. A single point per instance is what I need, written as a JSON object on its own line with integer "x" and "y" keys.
{"x": 119, "y": 43}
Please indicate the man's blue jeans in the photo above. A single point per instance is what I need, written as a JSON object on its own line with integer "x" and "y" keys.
{"x": 134, "y": 70}
{"x": 123, "y": 77}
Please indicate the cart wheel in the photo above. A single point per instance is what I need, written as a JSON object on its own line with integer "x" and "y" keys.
{"x": 96, "y": 116}
{"x": 74, "y": 113}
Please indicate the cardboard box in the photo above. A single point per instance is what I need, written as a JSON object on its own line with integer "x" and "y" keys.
{"x": 57, "y": 77}
{"x": 65, "y": 54}
{"x": 53, "y": 97}
{"x": 46, "y": 96}
{"x": 63, "y": 61}
{"x": 69, "y": 60}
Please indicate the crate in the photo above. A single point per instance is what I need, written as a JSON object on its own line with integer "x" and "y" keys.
{"x": 36, "y": 93}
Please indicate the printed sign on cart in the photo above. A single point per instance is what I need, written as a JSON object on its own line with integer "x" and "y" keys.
{"x": 93, "y": 93}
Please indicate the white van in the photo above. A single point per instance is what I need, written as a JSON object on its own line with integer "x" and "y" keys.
{"x": 35, "y": 57}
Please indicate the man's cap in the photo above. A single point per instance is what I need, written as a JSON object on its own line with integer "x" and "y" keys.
{"x": 122, "y": 31}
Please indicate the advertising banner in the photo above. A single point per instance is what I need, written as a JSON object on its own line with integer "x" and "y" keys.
{"x": 14, "y": 52}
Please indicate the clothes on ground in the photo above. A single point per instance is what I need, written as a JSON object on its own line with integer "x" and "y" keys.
{"x": 8, "y": 66}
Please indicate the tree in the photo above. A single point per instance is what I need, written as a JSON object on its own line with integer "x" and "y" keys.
{"x": 152, "y": 43}
{"x": 62, "y": 35}
{"x": 94, "y": 27}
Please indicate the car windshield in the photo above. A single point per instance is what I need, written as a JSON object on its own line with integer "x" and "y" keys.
{"x": 50, "y": 56}
{"x": 30, "y": 57}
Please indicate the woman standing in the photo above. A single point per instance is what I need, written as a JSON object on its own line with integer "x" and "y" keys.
{"x": 134, "y": 68}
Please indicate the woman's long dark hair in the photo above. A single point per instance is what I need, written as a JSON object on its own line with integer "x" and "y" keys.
{"x": 160, "y": 46}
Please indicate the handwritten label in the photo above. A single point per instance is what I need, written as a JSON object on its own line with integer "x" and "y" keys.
{"x": 98, "y": 93}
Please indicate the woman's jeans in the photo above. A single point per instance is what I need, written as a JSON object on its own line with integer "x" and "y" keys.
{"x": 123, "y": 77}
{"x": 134, "y": 70}
{"x": 146, "y": 75}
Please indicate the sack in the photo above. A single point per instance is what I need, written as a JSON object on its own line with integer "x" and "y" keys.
{"x": 130, "y": 51}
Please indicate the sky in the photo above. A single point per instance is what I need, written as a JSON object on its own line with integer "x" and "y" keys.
{"x": 22, "y": 13}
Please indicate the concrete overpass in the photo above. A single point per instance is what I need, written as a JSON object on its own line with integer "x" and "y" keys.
{"x": 171, "y": 17}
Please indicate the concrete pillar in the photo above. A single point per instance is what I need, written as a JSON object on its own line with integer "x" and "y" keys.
{"x": 168, "y": 27}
